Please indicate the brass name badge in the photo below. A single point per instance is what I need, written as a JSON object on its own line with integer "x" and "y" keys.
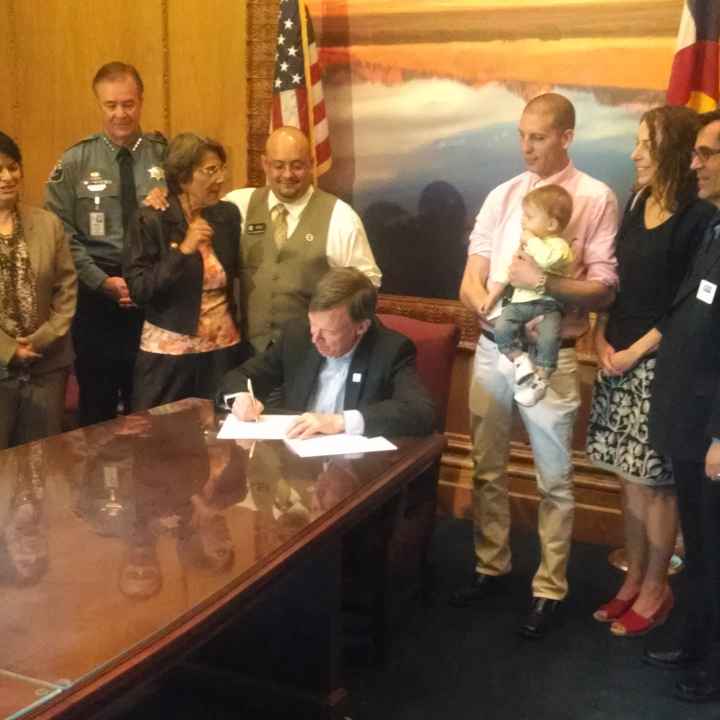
{"x": 255, "y": 228}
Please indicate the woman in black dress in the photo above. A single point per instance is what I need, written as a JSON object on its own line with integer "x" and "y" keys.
{"x": 659, "y": 233}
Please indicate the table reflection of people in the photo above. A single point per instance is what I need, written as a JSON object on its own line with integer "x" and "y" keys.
{"x": 204, "y": 541}
{"x": 24, "y": 547}
{"x": 165, "y": 488}
{"x": 336, "y": 481}
{"x": 140, "y": 574}
{"x": 280, "y": 494}
{"x": 287, "y": 494}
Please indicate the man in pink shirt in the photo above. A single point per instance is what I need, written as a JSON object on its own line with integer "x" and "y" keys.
{"x": 546, "y": 131}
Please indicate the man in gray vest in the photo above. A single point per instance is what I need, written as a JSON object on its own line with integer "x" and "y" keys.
{"x": 293, "y": 233}
{"x": 94, "y": 189}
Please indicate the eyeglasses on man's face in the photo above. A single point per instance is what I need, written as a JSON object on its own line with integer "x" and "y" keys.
{"x": 704, "y": 153}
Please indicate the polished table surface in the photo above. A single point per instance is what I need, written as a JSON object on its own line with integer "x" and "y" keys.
{"x": 120, "y": 538}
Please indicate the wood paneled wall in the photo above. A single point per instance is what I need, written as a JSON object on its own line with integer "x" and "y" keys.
{"x": 191, "y": 54}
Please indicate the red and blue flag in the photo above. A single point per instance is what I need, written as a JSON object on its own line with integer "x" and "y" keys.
{"x": 695, "y": 75}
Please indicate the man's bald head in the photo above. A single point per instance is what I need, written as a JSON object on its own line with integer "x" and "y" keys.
{"x": 285, "y": 137}
{"x": 287, "y": 163}
{"x": 558, "y": 107}
{"x": 546, "y": 130}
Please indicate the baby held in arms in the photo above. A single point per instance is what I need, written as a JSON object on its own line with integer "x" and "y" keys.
{"x": 546, "y": 213}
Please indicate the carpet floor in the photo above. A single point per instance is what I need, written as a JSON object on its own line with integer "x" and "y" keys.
{"x": 471, "y": 664}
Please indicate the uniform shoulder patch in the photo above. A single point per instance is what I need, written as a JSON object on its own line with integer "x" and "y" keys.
{"x": 56, "y": 174}
{"x": 87, "y": 139}
{"x": 157, "y": 136}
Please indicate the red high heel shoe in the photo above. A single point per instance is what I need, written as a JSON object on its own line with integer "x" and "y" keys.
{"x": 611, "y": 611}
{"x": 632, "y": 624}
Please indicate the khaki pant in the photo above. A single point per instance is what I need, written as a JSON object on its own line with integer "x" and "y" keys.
{"x": 550, "y": 426}
{"x": 32, "y": 409}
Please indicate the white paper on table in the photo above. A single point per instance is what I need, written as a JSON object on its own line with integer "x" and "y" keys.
{"x": 342, "y": 444}
{"x": 267, "y": 427}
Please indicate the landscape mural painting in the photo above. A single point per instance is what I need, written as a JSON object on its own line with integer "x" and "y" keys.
{"x": 423, "y": 99}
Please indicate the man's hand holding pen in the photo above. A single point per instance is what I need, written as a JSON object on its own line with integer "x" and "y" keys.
{"x": 245, "y": 407}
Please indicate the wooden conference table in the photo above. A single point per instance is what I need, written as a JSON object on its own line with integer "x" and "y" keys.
{"x": 127, "y": 545}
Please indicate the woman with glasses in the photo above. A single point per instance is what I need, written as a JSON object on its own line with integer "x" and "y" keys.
{"x": 660, "y": 230}
{"x": 181, "y": 267}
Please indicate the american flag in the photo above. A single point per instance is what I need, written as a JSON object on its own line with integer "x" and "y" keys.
{"x": 694, "y": 78}
{"x": 298, "y": 98}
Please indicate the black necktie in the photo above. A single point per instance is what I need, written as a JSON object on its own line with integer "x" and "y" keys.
{"x": 711, "y": 235}
{"x": 127, "y": 186}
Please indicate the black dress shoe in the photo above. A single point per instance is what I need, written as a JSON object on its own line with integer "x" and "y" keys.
{"x": 482, "y": 586}
{"x": 700, "y": 687}
{"x": 670, "y": 659}
{"x": 542, "y": 615}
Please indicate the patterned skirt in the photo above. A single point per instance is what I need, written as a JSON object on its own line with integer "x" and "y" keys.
{"x": 617, "y": 438}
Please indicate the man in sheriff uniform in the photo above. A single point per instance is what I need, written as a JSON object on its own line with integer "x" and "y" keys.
{"x": 94, "y": 189}
{"x": 293, "y": 234}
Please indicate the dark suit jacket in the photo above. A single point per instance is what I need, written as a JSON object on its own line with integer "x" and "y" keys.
{"x": 685, "y": 405}
{"x": 390, "y": 396}
{"x": 164, "y": 281}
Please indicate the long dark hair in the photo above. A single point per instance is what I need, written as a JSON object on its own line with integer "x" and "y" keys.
{"x": 672, "y": 132}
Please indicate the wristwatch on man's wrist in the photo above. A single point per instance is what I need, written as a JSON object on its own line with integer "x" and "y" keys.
{"x": 540, "y": 285}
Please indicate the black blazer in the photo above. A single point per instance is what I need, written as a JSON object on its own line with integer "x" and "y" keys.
{"x": 389, "y": 393}
{"x": 685, "y": 404}
{"x": 164, "y": 281}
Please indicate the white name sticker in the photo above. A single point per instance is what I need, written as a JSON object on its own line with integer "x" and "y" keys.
{"x": 706, "y": 292}
{"x": 357, "y": 377}
{"x": 97, "y": 223}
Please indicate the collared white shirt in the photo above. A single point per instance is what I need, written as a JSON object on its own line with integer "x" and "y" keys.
{"x": 347, "y": 242}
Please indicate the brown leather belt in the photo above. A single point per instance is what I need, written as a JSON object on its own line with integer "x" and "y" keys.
{"x": 564, "y": 343}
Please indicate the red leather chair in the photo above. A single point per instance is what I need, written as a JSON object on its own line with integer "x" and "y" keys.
{"x": 436, "y": 344}
{"x": 386, "y": 560}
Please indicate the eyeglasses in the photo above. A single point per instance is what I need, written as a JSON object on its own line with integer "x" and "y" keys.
{"x": 704, "y": 153}
{"x": 212, "y": 171}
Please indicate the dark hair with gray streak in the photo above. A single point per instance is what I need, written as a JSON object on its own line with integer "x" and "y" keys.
{"x": 185, "y": 154}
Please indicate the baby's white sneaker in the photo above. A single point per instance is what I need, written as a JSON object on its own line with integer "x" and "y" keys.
{"x": 531, "y": 391}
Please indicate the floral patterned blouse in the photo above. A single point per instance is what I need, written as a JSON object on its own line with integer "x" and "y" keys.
{"x": 216, "y": 327}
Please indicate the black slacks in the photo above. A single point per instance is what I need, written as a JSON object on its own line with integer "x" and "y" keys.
{"x": 699, "y": 507}
{"x": 160, "y": 379}
{"x": 106, "y": 339}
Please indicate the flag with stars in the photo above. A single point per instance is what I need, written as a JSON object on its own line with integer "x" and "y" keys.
{"x": 694, "y": 80}
{"x": 298, "y": 98}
